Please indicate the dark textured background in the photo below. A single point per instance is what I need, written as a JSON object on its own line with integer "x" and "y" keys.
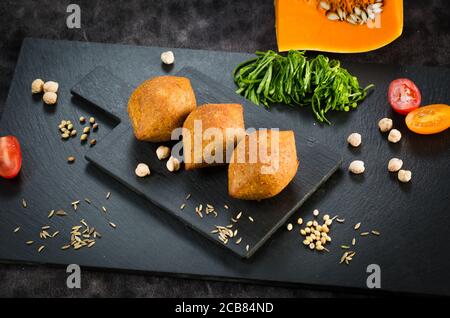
{"x": 230, "y": 25}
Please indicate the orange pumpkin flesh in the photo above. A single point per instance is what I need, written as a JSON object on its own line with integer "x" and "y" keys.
{"x": 301, "y": 25}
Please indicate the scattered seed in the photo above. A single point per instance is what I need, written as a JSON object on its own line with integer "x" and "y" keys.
{"x": 354, "y": 241}
{"x": 316, "y": 212}
{"x": 71, "y": 159}
{"x": 188, "y": 196}
{"x": 87, "y": 201}
{"x": 17, "y": 229}
{"x": 375, "y": 232}
{"x": 344, "y": 257}
{"x": 93, "y": 142}
{"x": 51, "y": 213}
{"x": 345, "y": 247}
{"x": 238, "y": 216}
{"x": 289, "y": 227}
{"x": 82, "y": 120}
{"x": 104, "y": 209}
{"x": 55, "y": 234}
{"x": 92, "y": 120}
{"x": 112, "y": 225}
{"x": 83, "y": 137}
{"x": 65, "y": 247}
{"x": 364, "y": 233}
{"x": 300, "y": 221}
{"x": 239, "y": 240}
{"x": 46, "y": 227}
{"x": 108, "y": 195}
{"x": 340, "y": 220}
{"x": 29, "y": 242}
{"x": 251, "y": 219}
{"x": 357, "y": 226}
{"x": 60, "y": 213}
{"x": 247, "y": 248}
{"x": 24, "y": 204}
{"x": 95, "y": 126}
{"x": 182, "y": 206}
{"x": 41, "y": 248}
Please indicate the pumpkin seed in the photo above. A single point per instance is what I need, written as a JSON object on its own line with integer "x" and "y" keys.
{"x": 332, "y": 16}
{"x": 325, "y": 5}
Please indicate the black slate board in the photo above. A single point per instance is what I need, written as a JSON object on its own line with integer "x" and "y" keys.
{"x": 119, "y": 153}
{"x": 413, "y": 218}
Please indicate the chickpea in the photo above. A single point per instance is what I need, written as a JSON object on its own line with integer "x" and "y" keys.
{"x": 395, "y": 164}
{"x": 404, "y": 176}
{"x": 51, "y": 86}
{"x": 173, "y": 164}
{"x": 394, "y": 136}
{"x": 385, "y": 124}
{"x": 354, "y": 140}
{"x": 50, "y": 98}
{"x": 142, "y": 170}
{"x": 356, "y": 167}
{"x": 162, "y": 152}
{"x": 168, "y": 57}
{"x": 37, "y": 86}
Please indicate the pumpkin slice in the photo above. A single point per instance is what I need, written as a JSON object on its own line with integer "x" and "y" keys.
{"x": 303, "y": 25}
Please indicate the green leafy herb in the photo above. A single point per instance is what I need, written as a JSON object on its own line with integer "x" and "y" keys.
{"x": 318, "y": 82}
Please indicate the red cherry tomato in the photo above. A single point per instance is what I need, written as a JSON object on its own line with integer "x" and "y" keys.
{"x": 404, "y": 96}
{"x": 10, "y": 157}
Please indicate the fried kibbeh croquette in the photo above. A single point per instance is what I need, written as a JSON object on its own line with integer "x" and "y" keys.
{"x": 262, "y": 178}
{"x": 160, "y": 105}
{"x": 222, "y": 127}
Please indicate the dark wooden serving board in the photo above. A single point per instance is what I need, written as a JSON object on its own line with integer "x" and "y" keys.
{"x": 413, "y": 218}
{"x": 119, "y": 153}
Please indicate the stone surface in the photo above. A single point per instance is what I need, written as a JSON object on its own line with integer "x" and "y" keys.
{"x": 231, "y": 25}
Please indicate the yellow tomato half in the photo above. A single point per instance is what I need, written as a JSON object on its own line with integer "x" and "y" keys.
{"x": 429, "y": 120}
